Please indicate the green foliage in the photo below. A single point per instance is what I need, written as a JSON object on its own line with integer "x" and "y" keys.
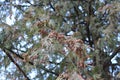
{"x": 38, "y": 39}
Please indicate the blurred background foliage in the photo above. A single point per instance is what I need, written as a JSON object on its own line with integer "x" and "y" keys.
{"x": 60, "y": 39}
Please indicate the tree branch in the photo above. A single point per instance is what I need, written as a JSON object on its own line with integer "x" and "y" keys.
{"x": 49, "y": 71}
{"x": 115, "y": 52}
{"x": 19, "y": 56}
{"x": 10, "y": 57}
{"x": 107, "y": 63}
{"x": 88, "y": 24}
{"x": 42, "y": 67}
{"x": 55, "y": 10}
{"x": 51, "y": 6}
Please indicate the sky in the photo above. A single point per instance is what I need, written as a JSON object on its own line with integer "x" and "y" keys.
{"x": 10, "y": 20}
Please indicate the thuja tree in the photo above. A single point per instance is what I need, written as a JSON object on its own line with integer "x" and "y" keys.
{"x": 59, "y": 39}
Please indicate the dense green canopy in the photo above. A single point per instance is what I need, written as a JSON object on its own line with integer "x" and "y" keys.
{"x": 59, "y": 39}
